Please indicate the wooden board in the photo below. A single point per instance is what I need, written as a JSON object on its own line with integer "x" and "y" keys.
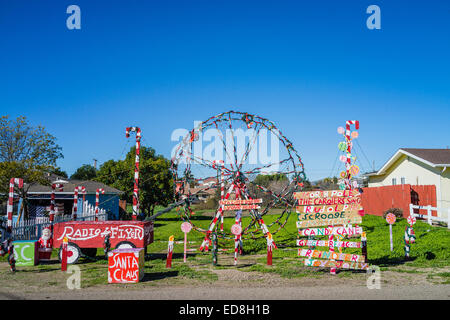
{"x": 329, "y": 201}
{"x": 343, "y": 231}
{"x": 241, "y": 207}
{"x": 329, "y": 222}
{"x": 310, "y": 253}
{"x": 326, "y": 243}
{"x": 336, "y": 264}
{"x": 234, "y": 202}
{"x": 326, "y": 194}
{"x": 329, "y": 209}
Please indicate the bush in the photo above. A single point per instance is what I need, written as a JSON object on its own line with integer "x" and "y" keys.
{"x": 396, "y": 211}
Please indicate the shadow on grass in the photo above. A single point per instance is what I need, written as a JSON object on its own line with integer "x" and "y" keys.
{"x": 159, "y": 275}
{"x": 163, "y": 256}
{"x": 387, "y": 261}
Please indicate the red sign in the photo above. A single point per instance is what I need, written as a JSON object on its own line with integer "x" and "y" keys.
{"x": 126, "y": 265}
{"x": 91, "y": 234}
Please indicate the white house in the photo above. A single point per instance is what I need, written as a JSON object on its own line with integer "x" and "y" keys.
{"x": 417, "y": 167}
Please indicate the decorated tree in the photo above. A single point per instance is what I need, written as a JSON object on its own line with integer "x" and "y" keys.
{"x": 26, "y": 152}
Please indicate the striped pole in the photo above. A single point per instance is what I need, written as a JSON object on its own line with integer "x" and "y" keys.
{"x": 81, "y": 190}
{"x": 136, "y": 169}
{"x": 348, "y": 123}
{"x": 10, "y": 207}
{"x": 52, "y": 201}
{"x": 205, "y": 243}
{"x": 97, "y": 198}
{"x": 237, "y": 237}
{"x": 220, "y": 165}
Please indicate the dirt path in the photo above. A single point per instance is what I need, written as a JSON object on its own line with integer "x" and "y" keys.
{"x": 234, "y": 284}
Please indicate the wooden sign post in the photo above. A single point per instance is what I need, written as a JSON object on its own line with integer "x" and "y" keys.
{"x": 186, "y": 228}
{"x": 334, "y": 215}
{"x": 390, "y": 218}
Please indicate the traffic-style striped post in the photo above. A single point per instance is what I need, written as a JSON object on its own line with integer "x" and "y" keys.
{"x": 78, "y": 190}
{"x": 219, "y": 164}
{"x": 10, "y": 207}
{"x": 97, "y": 200}
{"x": 136, "y": 169}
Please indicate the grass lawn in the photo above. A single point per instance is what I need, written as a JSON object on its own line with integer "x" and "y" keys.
{"x": 429, "y": 251}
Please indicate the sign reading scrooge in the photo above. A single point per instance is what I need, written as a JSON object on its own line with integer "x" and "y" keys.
{"x": 331, "y": 214}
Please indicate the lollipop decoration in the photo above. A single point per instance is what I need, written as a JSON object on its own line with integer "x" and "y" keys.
{"x": 410, "y": 236}
{"x": 390, "y": 218}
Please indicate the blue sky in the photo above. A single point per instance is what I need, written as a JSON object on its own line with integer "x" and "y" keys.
{"x": 306, "y": 65}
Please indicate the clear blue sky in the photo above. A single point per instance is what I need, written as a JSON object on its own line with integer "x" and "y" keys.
{"x": 306, "y": 65}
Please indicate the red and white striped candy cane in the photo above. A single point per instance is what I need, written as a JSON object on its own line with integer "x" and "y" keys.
{"x": 81, "y": 190}
{"x": 348, "y": 123}
{"x": 10, "y": 207}
{"x": 97, "y": 198}
{"x": 219, "y": 164}
{"x": 205, "y": 243}
{"x": 136, "y": 169}
{"x": 55, "y": 186}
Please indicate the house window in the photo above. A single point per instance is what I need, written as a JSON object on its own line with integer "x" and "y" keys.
{"x": 403, "y": 180}
{"x": 394, "y": 181}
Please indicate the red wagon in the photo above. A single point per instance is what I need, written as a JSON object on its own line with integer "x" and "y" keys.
{"x": 85, "y": 237}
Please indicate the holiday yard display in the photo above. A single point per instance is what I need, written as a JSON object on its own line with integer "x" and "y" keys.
{"x": 126, "y": 265}
{"x": 186, "y": 228}
{"x": 45, "y": 245}
{"x": 169, "y": 252}
{"x": 26, "y": 252}
{"x": 333, "y": 215}
{"x": 234, "y": 171}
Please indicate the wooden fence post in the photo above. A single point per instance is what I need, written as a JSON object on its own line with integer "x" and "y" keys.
{"x": 429, "y": 215}
{"x": 448, "y": 218}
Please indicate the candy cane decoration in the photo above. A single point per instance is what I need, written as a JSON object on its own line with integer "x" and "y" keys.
{"x": 219, "y": 164}
{"x": 205, "y": 243}
{"x": 10, "y": 207}
{"x": 97, "y": 198}
{"x": 349, "y": 149}
{"x": 55, "y": 186}
{"x": 236, "y": 229}
{"x": 136, "y": 169}
{"x": 81, "y": 190}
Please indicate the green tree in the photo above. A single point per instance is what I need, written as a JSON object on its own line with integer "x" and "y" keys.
{"x": 85, "y": 172}
{"x": 60, "y": 173}
{"x": 26, "y": 152}
{"x": 155, "y": 179}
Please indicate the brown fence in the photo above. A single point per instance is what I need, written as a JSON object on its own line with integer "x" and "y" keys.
{"x": 376, "y": 200}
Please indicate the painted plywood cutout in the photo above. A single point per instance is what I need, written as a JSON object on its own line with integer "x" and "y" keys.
{"x": 318, "y": 222}
{"x": 126, "y": 265}
{"x": 309, "y": 253}
{"x": 343, "y": 231}
{"x": 325, "y": 243}
{"x": 241, "y": 207}
{"x": 336, "y": 264}
{"x": 327, "y": 194}
{"x": 237, "y": 202}
{"x": 329, "y": 201}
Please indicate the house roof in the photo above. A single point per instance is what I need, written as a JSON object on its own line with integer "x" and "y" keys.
{"x": 432, "y": 157}
{"x": 69, "y": 187}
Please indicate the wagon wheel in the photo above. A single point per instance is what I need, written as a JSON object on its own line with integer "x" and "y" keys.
{"x": 235, "y": 166}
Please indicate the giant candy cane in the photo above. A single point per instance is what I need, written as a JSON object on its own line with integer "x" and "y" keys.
{"x": 10, "y": 206}
{"x": 81, "y": 190}
{"x": 97, "y": 198}
{"x": 136, "y": 169}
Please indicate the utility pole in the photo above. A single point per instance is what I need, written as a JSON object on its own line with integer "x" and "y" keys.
{"x": 95, "y": 164}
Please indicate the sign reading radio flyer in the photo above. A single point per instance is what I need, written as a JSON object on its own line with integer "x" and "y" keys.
{"x": 327, "y": 214}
